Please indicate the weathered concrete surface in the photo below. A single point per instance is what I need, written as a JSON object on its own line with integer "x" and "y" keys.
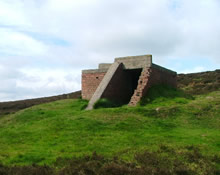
{"x": 94, "y": 71}
{"x": 102, "y": 86}
{"x": 135, "y": 62}
{"x": 104, "y": 65}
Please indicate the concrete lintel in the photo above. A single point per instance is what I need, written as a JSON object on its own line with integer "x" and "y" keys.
{"x": 104, "y": 65}
{"x": 90, "y": 71}
{"x": 135, "y": 62}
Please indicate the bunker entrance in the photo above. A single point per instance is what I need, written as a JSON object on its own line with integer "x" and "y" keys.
{"x": 133, "y": 75}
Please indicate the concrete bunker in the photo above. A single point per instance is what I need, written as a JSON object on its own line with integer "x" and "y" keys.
{"x": 125, "y": 81}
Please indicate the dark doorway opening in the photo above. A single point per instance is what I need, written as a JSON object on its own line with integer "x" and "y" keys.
{"x": 133, "y": 75}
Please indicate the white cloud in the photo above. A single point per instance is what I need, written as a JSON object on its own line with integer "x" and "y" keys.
{"x": 62, "y": 80}
{"x": 32, "y": 83}
{"x": 194, "y": 70}
{"x": 12, "y": 13}
{"x": 97, "y": 31}
{"x": 15, "y": 43}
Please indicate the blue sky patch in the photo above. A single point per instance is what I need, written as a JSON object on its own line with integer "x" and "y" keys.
{"x": 48, "y": 39}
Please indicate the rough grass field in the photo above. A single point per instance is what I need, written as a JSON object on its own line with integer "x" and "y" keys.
{"x": 14, "y": 106}
{"x": 166, "y": 120}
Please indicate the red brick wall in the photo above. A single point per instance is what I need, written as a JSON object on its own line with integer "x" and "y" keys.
{"x": 90, "y": 82}
{"x": 119, "y": 88}
{"x": 161, "y": 76}
{"x": 143, "y": 85}
{"x": 152, "y": 76}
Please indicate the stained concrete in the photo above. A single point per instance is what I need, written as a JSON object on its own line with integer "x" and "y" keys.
{"x": 135, "y": 62}
{"x": 104, "y": 65}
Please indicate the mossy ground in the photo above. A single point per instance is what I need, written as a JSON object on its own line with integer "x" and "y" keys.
{"x": 63, "y": 129}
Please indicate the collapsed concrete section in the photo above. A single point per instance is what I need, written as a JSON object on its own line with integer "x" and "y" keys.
{"x": 125, "y": 81}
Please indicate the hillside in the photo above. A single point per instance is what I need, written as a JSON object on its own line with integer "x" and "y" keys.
{"x": 14, "y": 106}
{"x": 170, "y": 128}
{"x": 171, "y": 121}
{"x": 199, "y": 83}
{"x": 195, "y": 83}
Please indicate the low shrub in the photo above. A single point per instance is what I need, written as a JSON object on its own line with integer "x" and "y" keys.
{"x": 164, "y": 161}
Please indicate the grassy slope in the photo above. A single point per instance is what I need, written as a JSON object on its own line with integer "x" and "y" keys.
{"x": 199, "y": 83}
{"x": 14, "y": 106}
{"x": 194, "y": 83}
{"x": 43, "y": 133}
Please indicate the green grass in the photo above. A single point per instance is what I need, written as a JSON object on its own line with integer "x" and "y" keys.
{"x": 63, "y": 129}
{"x": 105, "y": 103}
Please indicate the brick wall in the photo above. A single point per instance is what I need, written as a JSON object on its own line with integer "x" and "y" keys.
{"x": 163, "y": 76}
{"x": 152, "y": 76}
{"x": 143, "y": 85}
{"x": 90, "y": 82}
{"x": 120, "y": 87}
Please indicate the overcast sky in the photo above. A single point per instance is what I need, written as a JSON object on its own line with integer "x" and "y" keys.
{"x": 44, "y": 44}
